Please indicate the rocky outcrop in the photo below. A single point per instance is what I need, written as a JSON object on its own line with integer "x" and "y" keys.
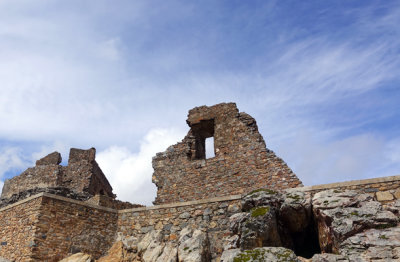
{"x": 343, "y": 225}
{"x": 341, "y": 215}
{"x": 274, "y": 219}
{"x": 192, "y": 246}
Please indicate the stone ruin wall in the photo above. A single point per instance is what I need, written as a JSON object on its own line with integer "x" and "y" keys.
{"x": 241, "y": 164}
{"x": 192, "y": 191}
{"x": 67, "y": 227}
{"x": 52, "y": 226}
{"x": 18, "y": 223}
{"x": 210, "y": 215}
{"x": 48, "y": 228}
{"x": 82, "y": 174}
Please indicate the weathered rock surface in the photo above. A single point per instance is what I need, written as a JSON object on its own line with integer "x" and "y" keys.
{"x": 373, "y": 245}
{"x": 341, "y": 215}
{"x": 295, "y": 212}
{"x": 193, "y": 246}
{"x": 328, "y": 258}
{"x": 278, "y": 254}
{"x": 169, "y": 254}
{"x": 260, "y": 229}
{"x": 78, "y": 257}
{"x": 4, "y": 260}
{"x": 354, "y": 226}
{"x": 261, "y": 197}
{"x": 351, "y": 227}
{"x": 119, "y": 253}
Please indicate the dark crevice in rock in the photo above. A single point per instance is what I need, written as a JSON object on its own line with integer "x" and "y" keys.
{"x": 305, "y": 244}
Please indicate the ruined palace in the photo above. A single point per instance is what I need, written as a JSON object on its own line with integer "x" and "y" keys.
{"x": 203, "y": 208}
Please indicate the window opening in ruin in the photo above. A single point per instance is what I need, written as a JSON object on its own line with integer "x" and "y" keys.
{"x": 201, "y": 131}
{"x": 210, "y": 153}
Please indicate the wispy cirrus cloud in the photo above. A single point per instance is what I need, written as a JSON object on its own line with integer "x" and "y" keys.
{"x": 316, "y": 76}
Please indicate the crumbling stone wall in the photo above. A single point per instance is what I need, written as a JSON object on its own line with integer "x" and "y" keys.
{"x": 242, "y": 162}
{"x": 45, "y": 226}
{"x": 66, "y": 227}
{"x": 211, "y": 216}
{"x": 18, "y": 224}
{"x": 81, "y": 175}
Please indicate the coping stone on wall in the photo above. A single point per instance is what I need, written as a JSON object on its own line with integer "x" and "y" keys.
{"x": 351, "y": 183}
{"x": 44, "y": 194}
{"x": 181, "y": 204}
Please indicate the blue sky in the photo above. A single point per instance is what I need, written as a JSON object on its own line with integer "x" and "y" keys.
{"x": 320, "y": 77}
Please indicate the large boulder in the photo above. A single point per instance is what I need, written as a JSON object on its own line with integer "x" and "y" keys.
{"x": 194, "y": 246}
{"x": 154, "y": 236}
{"x": 373, "y": 244}
{"x": 261, "y": 197}
{"x": 169, "y": 253}
{"x": 119, "y": 253}
{"x": 295, "y": 211}
{"x": 342, "y": 214}
{"x": 260, "y": 229}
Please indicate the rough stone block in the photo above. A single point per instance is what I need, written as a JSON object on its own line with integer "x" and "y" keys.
{"x": 51, "y": 159}
{"x": 77, "y": 155}
{"x": 384, "y": 196}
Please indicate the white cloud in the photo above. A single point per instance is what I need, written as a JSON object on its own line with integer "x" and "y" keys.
{"x": 11, "y": 158}
{"x": 1, "y": 186}
{"x": 130, "y": 173}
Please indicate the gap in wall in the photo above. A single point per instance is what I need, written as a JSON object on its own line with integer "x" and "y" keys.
{"x": 210, "y": 151}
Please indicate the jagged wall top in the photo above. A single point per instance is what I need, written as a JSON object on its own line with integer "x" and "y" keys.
{"x": 81, "y": 175}
{"x": 241, "y": 163}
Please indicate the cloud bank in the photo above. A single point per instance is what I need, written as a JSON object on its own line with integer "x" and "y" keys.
{"x": 130, "y": 173}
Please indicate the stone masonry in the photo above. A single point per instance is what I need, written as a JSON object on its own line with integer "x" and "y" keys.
{"x": 50, "y": 212}
{"x": 241, "y": 164}
{"x": 81, "y": 175}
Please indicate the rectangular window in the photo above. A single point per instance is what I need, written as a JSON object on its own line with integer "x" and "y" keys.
{"x": 210, "y": 151}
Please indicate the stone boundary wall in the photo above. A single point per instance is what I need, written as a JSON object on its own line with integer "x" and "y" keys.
{"x": 66, "y": 227}
{"x": 18, "y": 224}
{"x": 383, "y": 188}
{"x": 209, "y": 215}
{"x": 47, "y": 227}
